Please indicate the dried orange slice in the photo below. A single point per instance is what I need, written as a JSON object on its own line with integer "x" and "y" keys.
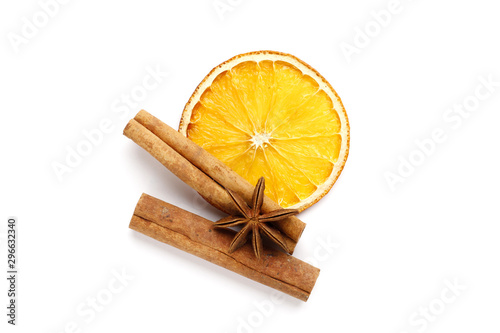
{"x": 270, "y": 114}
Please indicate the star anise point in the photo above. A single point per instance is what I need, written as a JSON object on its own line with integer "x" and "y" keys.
{"x": 254, "y": 222}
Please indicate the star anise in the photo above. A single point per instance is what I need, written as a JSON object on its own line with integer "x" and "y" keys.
{"x": 254, "y": 221}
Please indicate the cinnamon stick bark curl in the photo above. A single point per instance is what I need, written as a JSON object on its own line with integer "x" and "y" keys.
{"x": 194, "y": 234}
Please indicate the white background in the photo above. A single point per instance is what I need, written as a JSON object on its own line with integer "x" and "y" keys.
{"x": 396, "y": 249}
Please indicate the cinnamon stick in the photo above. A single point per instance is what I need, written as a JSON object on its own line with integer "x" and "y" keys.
{"x": 201, "y": 170}
{"x": 216, "y": 169}
{"x": 194, "y": 234}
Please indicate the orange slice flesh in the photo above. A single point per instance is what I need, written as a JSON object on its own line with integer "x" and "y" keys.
{"x": 270, "y": 114}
